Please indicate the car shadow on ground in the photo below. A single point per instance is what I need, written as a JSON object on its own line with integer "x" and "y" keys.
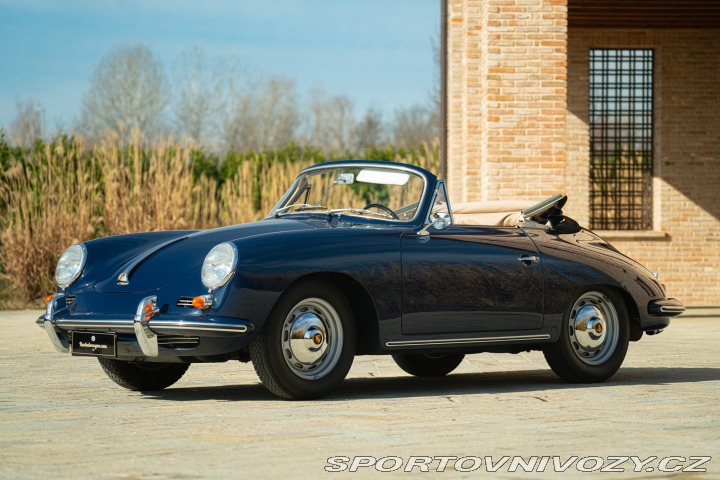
{"x": 526, "y": 381}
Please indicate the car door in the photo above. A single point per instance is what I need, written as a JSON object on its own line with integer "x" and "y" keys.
{"x": 470, "y": 279}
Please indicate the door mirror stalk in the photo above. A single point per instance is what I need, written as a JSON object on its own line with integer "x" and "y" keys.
{"x": 439, "y": 220}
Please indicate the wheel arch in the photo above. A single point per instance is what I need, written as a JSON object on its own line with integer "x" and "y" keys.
{"x": 634, "y": 314}
{"x": 631, "y": 306}
{"x": 359, "y": 301}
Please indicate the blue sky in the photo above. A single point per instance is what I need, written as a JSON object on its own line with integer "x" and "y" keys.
{"x": 377, "y": 52}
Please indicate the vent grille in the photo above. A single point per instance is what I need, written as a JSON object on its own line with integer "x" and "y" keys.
{"x": 174, "y": 341}
{"x": 69, "y": 299}
{"x": 185, "y": 302}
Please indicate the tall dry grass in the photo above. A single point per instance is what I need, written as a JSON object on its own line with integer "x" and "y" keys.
{"x": 153, "y": 188}
{"x": 63, "y": 195}
{"x": 50, "y": 203}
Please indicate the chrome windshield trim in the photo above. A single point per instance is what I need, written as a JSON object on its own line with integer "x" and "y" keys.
{"x": 466, "y": 341}
{"x": 439, "y": 184}
{"x": 320, "y": 167}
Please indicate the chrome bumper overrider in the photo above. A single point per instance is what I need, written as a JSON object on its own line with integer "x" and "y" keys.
{"x": 145, "y": 325}
{"x": 668, "y": 307}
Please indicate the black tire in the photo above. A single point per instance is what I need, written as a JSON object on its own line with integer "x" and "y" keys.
{"x": 428, "y": 365}
{"x": 575, "y": 364}
{"x": 274, "y": 357}
{"x": 143, "y": 377}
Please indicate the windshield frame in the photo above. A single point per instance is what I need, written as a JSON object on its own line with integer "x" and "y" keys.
{"x": 413, "y": 170}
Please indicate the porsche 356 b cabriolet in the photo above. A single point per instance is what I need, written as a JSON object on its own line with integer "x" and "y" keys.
{"x": 357, "y": 258}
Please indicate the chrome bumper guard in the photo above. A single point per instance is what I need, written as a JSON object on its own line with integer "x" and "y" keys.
{"x": 48, "y": 322}
{"x": 142, "y": 324}
{"x": 669, "y": 307}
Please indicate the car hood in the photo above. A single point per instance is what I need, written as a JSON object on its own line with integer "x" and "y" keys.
{"x": 163, "y": 261}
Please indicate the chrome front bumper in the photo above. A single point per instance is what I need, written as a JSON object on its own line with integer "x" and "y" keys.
{"x": 146, "y": 324}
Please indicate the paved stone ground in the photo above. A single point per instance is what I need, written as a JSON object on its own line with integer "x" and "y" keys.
{"x": 60, "y": 417}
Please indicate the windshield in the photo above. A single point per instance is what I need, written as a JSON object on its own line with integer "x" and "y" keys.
{"x": 373, "y": 191}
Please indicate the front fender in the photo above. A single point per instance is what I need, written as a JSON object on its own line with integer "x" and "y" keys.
{"x": 269, "y": 264}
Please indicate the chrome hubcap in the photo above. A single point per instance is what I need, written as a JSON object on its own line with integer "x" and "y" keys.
{"x": 307, "y": 338}
{"x": 312, "y": 339}
{"x": 593, "y": 328}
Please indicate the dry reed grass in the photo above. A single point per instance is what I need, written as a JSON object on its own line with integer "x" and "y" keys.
{"x": 39, "y": 222}
{"x": 153, "y": 188}
{"x": 63, "y": 196}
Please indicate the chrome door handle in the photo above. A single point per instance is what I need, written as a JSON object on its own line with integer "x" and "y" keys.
{"x": 528, "y": 259}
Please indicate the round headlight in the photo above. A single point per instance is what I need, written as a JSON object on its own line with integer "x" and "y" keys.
{"x": 219, "y": 265}
{"x": 70, "y": 265}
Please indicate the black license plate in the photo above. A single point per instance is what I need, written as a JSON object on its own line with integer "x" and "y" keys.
{"x": 94, "y": 344}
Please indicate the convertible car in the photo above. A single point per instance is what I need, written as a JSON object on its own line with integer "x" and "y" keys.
{"x": 357, "y": 258}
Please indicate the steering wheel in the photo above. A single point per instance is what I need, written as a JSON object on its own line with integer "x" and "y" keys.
{"x": 382, "y": 207}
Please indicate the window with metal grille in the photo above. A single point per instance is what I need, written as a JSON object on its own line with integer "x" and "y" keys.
{"x": 621, "y": 139}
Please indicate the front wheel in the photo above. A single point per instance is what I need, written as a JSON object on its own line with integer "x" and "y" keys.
{"x": 307, "y": 345}
{"x": 143, "y": 376}
{"x": 428, "y": 365}
{"x": 594, "y": 338}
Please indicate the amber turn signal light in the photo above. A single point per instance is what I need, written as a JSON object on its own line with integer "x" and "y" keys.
{"x": 49, "y": 297}
{"x": 149, "y": 309}
{"x": 202, "y": 301}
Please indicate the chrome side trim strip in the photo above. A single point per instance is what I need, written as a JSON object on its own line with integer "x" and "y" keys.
{"x": 466, "y": 341}
{"x": 204, "y": 328}
{"x": 127, "y": 326}
{"x": 122, "y": 325}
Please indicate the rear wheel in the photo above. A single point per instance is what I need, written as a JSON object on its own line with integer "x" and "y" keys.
{"x": 307, "y": 345}
{"x": 143, "y": 376}
{"x": 428, "y": 365}
{"x": 594, "y": 338}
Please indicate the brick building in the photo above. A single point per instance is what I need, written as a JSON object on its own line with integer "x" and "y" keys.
{"x": 615, "y": 103}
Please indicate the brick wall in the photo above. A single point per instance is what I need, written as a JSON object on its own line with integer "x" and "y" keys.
{"x": 517, "y": 127}
{"x": 506, "y": 98}
{"x": 685, "y": 245}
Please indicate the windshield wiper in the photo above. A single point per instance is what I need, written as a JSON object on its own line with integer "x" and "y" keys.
{"x": 299, "y": 207}
{"x": 358, "y": 210}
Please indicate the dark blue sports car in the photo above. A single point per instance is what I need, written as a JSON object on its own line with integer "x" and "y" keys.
{"x": 356, "y": 258}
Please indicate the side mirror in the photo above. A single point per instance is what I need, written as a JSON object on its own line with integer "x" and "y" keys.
{"x": 439, "y": 220}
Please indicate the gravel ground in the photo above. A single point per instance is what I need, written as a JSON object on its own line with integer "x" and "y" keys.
{"x": 61, "y": 417}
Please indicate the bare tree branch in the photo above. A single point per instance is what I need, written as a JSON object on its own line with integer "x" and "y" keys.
{"x": 261, "y": 113}
{"x": 331, "y": 123}
{"x": 369, "y": 131}
{"x": 199, "y": 97}
{"x": 414, "y": 125}
{"x": 28, "y": 123}
{"x": 128, "y": 91}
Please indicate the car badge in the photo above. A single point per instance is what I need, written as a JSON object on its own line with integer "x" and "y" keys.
{"x": 122, "y": 279}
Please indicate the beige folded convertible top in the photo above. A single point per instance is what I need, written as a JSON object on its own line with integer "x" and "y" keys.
{"x": 493, "y": 212}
